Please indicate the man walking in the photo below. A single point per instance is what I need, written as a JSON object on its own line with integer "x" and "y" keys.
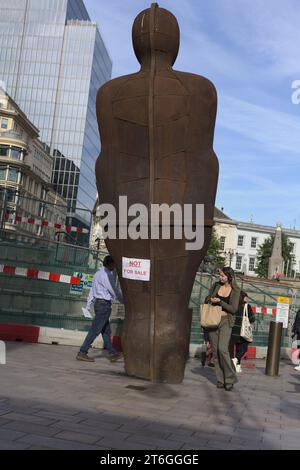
{"x": 102, "y": 292}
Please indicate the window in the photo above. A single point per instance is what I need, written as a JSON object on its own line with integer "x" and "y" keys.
{"x": 41, "y": 209}
{"x": 238, "y": 264}
{"x": 13, "y": 175}
{"x": 253, "y": 242}
{"x": 2, "y": 172}
{"x": 10, "y": 211}
{"x": 240, "y": 240}
{"x": 11, "y": 195}
{"x": 222, "y": 243}
{"x": 4, "y": 150}
{"x": 16, "y": 153}
{"x": 251, "y": 264}
{"x": 4, "y": 123}
{"x": 293, "y": 246}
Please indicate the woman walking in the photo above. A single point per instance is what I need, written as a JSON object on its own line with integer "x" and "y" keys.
{"x": 226, "y": 294}
{"x": 240, "y": 343}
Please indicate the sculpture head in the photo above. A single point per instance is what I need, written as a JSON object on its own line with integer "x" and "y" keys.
{"x": 156, "y": 31}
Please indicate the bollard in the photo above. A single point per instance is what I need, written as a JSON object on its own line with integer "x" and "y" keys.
{"x": 189, "y": 326}
{"x": 274, "y": 346}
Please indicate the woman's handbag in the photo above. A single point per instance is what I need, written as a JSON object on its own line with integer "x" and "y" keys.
{"x": 210, "y": 315}
{"x": 246, "y": 329}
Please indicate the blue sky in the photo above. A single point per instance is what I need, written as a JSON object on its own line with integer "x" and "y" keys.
{"x": 250, "y": 50}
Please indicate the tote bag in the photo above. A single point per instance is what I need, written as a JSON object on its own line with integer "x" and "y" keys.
{"x": 246, "y": 329}
{"x": 210, "y": 315}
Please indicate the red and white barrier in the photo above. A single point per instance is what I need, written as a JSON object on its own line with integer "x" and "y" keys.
{"x": 264, "y": 310}
{"x": 32, "y": 273}
{"x": 44, "y": 223}
{"x": 15, "y": 332}
{"x": 47, "y": 335}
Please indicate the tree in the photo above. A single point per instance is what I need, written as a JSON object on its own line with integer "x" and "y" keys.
{"x": 264, "y": 252}
{"x": 214, "y": 251}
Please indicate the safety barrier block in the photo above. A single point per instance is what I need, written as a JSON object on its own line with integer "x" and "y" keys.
{"x": 251, "y": 353}
{"x": 62, "y": 337}
{"x": 116, "y": 342}
{"x": 16, "y": 332}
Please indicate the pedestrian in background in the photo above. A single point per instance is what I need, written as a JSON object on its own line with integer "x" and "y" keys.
{"x": 207, "y": 353}
{"x": 296, "y": 333}
{"x": 237, "y": 342}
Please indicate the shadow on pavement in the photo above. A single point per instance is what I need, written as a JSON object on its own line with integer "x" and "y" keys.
{"x": 50, "y": 400}
{"x": 206, "y": 372}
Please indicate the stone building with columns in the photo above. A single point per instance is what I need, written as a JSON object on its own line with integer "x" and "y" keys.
{"x": 25, "y": 174}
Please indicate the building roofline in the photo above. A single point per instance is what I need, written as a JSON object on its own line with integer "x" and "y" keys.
{"x": 221, "y": 218}
{"x": 225, "y": 221}
{"x": 266, "y": 228}
{"x": 19, "y": 114}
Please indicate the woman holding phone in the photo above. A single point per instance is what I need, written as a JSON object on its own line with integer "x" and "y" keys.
{"x": 226, "y": 294}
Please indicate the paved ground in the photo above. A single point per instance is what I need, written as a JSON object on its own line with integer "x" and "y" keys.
{"x": 50, "y": 401}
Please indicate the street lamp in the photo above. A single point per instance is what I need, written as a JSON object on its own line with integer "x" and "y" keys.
{"x": 230, "y": 252}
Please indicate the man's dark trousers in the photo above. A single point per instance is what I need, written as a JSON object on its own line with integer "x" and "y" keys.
{"x": 99, "y": 325}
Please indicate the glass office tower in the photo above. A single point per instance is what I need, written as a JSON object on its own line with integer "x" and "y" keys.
{"x": 53, "y": 61}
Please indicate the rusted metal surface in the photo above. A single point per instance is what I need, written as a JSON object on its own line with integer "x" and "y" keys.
{"x": 157, "y": 130}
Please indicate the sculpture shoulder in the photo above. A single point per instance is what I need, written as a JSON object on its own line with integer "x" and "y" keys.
{"x": 111, "y": 88}
{"x": 197, "y": 84}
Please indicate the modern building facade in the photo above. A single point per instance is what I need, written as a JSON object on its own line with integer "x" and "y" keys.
{"x": 25, "y": 175}
{"x": 52, "y": 62}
